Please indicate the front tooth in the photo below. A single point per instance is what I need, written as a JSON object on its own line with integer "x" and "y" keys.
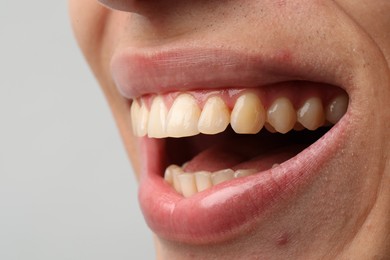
{"x": 248, "y": 115}
{"x": 282, "y": 115}
{"x": 176, "y": 171}
{"x": 135, "y": 113}
{"x": 311, "y": 114}
{"x": 183, "y": 117}
{"x": 187, "y": 184}
{"x": 222, "y": 176}
{"x": 215, "y": 116}
{"x": 244, "y": 173}
{"x": 337, "y": 108}
{"x": 157, "y": 118}
{"x": 203, "y": 180}
{"x": 143, "y": 120}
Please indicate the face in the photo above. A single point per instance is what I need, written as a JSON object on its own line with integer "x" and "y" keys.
{"x": 257, "y": 129}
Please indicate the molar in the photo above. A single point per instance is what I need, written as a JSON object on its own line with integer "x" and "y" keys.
{"x": 337, "y": 108}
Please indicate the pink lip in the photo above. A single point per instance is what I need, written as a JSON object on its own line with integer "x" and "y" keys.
{"x": 139, "y": 72}
{"x": 228, "y": 209}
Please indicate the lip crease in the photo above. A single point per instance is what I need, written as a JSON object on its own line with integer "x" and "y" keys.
{"x": 228, "y": 209}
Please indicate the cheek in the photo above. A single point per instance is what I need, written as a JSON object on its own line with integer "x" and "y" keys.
{"x": 88, "y": 21}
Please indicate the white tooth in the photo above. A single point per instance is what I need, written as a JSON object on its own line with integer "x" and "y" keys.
{"x": 176, "y": 171}
{"x": 244, "y": 173}
{"x": 143, "y": 120}
{"x": 337, "y": 108}
{"x": 311, "y": 114}
{"x": 215, "y": 116}
{"x": 157, "y": 118}
{"x": 248, "y": 114}
{"x": 203, "y": 180}
{"x": 275, "y": 165}
{"x": 135, "y": 113}
{"x": 183, "y": 117}
{"x": 282, "y": 115}
{"x": 168, "y": 175}
{"x": 222, "y": 176}
{"x": 187, "y": 184}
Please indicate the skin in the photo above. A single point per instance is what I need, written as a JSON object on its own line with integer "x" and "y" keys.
{"x": 344, "y": 213}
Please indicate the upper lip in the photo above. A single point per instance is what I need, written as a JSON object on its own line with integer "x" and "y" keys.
{"x": 142, "y": 71}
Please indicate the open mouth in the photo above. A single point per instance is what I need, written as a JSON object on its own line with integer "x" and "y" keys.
{"x": 212, "y": 137}
{"x": 226, "y": 136}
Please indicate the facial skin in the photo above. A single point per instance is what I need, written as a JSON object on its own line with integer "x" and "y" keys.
{"x": 344, "y": 212}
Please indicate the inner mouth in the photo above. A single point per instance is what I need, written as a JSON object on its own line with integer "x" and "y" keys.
{"x": 197, "y": 163}
{"x": 214, "y": 137}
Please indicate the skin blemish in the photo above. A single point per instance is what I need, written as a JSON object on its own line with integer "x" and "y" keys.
{"x": 283, "y": 239}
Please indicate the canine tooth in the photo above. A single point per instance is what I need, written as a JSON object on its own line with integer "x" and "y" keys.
{"x": 143, "y": 120}
{"x": 215, "y": 116}
{"x": 244, "y": 173}
{"x": 187, "y": 184}
{"x": 248, "y": 115}
{"x": 222, "y": 176}
{"x": 282, "y": 115}
{"x": 135, "y": 113}
{"x": 176, "y": 171}
{"x": 203, "y": 180}
{"x": 311, "y": 114}
{"x": 337, "y": 108}
{"x": 157, "y": 118}
{"x": 183, "y": 117}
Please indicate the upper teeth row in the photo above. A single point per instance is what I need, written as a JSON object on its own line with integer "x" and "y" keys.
{"x": 248, "y": 116}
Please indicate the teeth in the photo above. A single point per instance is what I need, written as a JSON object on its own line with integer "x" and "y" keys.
{"x": 248, "y": 114}
{"x": 281, "y": 115}
{"x": 143, "y": 120}
{"x": 188, "y": 183}
{"x": 311, "y": 114}
{"x": 337, "y": 108}
{"x": 215, "y": 116}
{"x": 222, "y": 176}
{"x": 175, "y": 172}
{"x": 244, "y": 173}
{"x": 135, "y": 114}
{"x": 183, "y": 117}
{"x": 203, "y": 180}
{"x": 157, "y": 118}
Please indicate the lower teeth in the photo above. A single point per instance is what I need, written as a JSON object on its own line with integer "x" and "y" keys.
{"x": 190, "y": 183}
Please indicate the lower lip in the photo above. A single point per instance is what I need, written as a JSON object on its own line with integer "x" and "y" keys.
{"x": 224, "y": 211}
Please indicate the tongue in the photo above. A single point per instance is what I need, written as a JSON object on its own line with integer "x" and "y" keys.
{"x": 244, "y": 152}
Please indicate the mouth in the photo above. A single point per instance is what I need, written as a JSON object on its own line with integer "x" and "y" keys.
{"x": 215, "y": 159}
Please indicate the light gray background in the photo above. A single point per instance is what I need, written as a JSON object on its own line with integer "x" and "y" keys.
{"x": 67, "y": 190}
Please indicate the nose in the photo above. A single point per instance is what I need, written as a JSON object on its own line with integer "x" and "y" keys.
{"x": 134, "y": 6}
